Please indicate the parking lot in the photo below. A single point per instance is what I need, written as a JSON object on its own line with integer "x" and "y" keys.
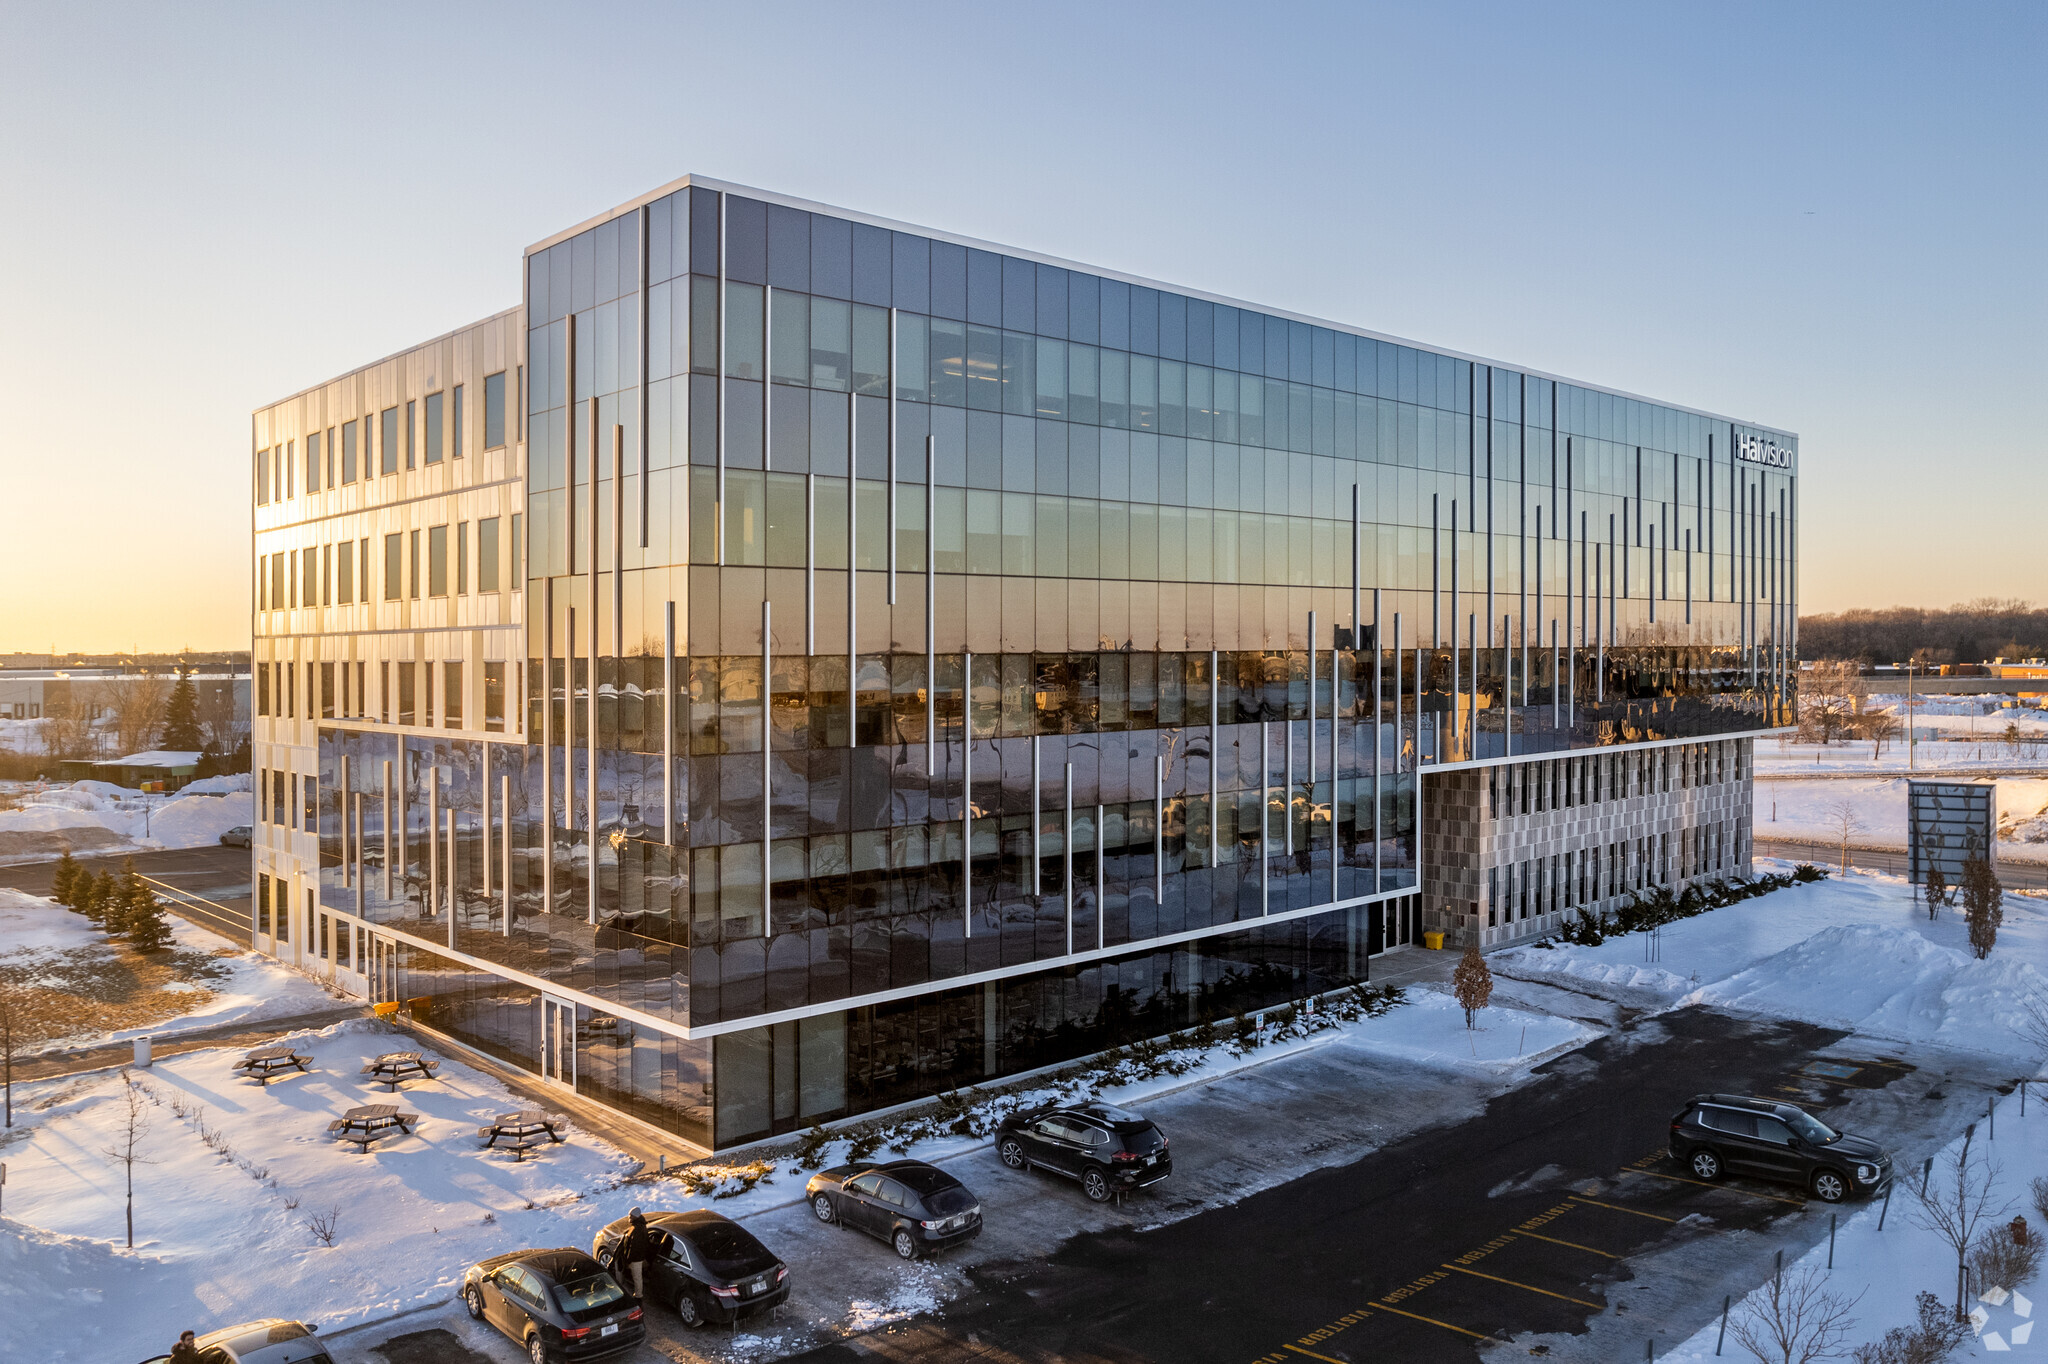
{"x": 1530, "y": 1222}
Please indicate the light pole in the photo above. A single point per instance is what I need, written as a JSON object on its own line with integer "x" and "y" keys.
{"x": 1911, "y": 738}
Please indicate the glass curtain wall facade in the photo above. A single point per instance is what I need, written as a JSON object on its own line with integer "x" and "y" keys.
{"x": 943, "y": 661}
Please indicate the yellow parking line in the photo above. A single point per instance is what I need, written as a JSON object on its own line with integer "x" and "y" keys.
{"x": 1573, "y": 1245}
{"x": 1511, "y": 1283}
{"x": 1680, "y": 1179}
{"x": 1618, "y": 1208}
{"x": 1417, "y": 1316}
{"x": 1313, "y": 1355}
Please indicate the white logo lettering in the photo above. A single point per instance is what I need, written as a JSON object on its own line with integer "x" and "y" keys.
{"x": 1758, "y": 450}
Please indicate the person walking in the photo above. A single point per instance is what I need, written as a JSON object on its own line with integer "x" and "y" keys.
{"x": 635, "y": 1252}
{"x": 186, "y": 1351}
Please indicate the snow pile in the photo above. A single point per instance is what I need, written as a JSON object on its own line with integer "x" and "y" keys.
{"x": 180, "y": 821}
{"x": 918, "y": 1291}
{"x": 1892, "y": 983}
{"x": 217, "y": 786}
{"x": 194, "y": 821}
{"x": 1430, "y": 1029}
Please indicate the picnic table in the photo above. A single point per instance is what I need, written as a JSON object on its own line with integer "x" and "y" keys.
{"x": 394, "y": 1068}
{"x": 371, "y": 1123}
{"x": 265, "y": 1062}
{"x": 522, "y": 1131}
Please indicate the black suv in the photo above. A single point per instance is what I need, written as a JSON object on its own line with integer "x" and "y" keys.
{"x": 1715, "y": 1133}
{"x": 1108, "y": 1149}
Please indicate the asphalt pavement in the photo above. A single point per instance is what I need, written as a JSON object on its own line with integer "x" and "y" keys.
{"x": 2012, "y": 875}
{"x": 1521, "y": 1219}
{"x": 186, "y": 879}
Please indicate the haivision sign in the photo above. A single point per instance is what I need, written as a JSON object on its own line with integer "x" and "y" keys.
{"x": 1761, "y": 450}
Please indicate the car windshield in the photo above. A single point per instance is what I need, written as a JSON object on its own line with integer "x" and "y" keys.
{"x": 730, "y": 1251}
{"x": 946, "y": 1202}
{"x": 1811, "y": 1128}
{"x": 588, "y": 1297}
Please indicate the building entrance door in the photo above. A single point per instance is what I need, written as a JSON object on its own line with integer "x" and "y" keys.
{"x": 558, "y": 1041}
{"x": 382, "y": 970}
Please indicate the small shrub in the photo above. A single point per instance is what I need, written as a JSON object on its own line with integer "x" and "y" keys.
{"x": 1806, "y": 871}
{"x": 325, "y": 1226}
{"x": 2006, "y": 1256}
{"x": 862, "y": 1142}
{"x": 810, "y": 1148}
{"x": 1930, "y": 1340}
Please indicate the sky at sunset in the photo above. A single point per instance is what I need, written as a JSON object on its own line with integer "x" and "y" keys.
{"x": 1824, "y": 217}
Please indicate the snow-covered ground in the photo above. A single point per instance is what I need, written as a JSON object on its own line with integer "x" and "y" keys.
{"x": 42, "y": 940}
{"x": 1852, "y": 951}
{"x": 194, "y": 817}
{"x": 1806, "y": 809}
{"x": 218, "y": 1237}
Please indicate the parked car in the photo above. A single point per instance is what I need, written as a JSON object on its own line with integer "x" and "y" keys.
{"x": 1716, "y": 1133}
{"x": 1109, "y": 1150}
{"x": 238, "y": 837}
{"x": 705, "y": 1265}
{"x": 270, "y": 1341}
{"x": 558, "y": 1304}
{"x": 915, "y": 1207}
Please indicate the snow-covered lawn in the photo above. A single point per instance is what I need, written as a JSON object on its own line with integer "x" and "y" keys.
{"x": 1852, "y": 951}
{"x": 221, "y": 1229}
{"x": 1803, "y": 809}
{"x": 205, "y": 979}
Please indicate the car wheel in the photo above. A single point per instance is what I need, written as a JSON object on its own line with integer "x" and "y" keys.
{"x": 821, "y": 1204}
{"x": 687, "y": 1310}
{"x": 473, "y": 1299}
{"x": 905, "y": 1243}
{"x": 1012, "y": 1152}
{"x": 1095, "y": 1184}
{"x": 1705, "y": 1164}
{"x": 1829, "y": 1187}
{"x": 536, "y": 1349}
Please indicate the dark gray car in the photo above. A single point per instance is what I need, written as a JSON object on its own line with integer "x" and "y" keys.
{"x": 916, "y": 1208}
{"x": 706, "y": 1266}
{"x": 1715, "y": 1134}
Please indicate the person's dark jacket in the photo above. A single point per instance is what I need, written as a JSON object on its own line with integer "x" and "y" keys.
{"x": 637, "y": 1246}
{"x": 183, "y": 1353}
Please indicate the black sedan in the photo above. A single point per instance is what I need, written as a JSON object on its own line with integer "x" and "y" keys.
{"x": 1109, "y": 1150}
{"x": 915, "y": 1207}
{"x": 706, "y": 1266}
{"x": 558, "y": 1304}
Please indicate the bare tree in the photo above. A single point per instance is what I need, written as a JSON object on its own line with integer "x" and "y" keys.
{"x": 1794, "y": 1319}
{"x": 1880, "y": 727}
{"x": 138, "y": 706}
{"x": 67, "y": 724}
{"x": 217, "y": 720}
{"x": 7, "y": 1009}
{"x": 127, "y": 1147}
{"x": 1829, "y": 693}
{"x": 1844, "y": 820}
{"x": 1956, "y": 1205}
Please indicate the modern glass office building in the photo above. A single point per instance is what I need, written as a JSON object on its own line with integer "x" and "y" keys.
{"x": 942, "y": 660}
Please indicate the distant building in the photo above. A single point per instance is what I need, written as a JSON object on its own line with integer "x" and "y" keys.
{"x": 171, "y": 767}
{"x": 1948, "y": 823}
